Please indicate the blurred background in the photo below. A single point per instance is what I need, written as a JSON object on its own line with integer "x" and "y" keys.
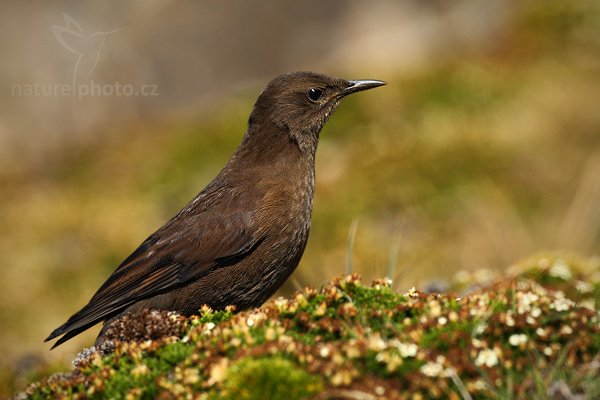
{"x": 483, "y": 148}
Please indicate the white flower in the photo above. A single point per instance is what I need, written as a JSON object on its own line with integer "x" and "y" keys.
{"x": 560, "y": 269}
{"x": 525, "y": 301}
{"x": 324, "y": 352}
{"x": 566, "y": 330}
{"x": 517, "y": 339}
{"x": 432, "y": 369}
{"x": 258, "y": 316}
{"x": 407, "y": 349}
{"x": 510, "y": 321}
{"x": 479, "y": 329}
{"x": 548, "y": 351}
{"x": 536, "y": 312}
{"x": 487, "y": 357}
{"x": 541, "y": 332}
{"x": 209, "y": 327}
{"x": 442, "y": 320}
{"x": 561, "y": 304}
{"x": 530, "y": 297}
{"x": 281, "y": 302}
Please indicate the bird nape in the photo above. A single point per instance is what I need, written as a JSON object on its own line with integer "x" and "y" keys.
{"x": 243, "y": 235}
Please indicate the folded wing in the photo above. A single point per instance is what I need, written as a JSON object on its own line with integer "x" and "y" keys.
{"x": 182, "y": 250}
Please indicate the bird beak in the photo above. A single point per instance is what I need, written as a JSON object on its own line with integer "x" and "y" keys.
{"x": 357, "y": 86}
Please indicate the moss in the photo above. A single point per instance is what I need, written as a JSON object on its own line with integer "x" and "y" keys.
{"x": 173, "y": 353}
{"x": 517, "y": 336}
{"x": 268, "y": 378}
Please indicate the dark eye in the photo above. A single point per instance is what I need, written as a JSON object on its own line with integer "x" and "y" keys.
{"x": 315, "y": 94}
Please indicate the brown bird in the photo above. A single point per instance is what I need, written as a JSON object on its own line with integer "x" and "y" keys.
{"x": 242, "y": 236}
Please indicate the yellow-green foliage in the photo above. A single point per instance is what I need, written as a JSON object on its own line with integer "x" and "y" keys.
{"x": 521, "y": 335}
{"x": 268, "y": 378}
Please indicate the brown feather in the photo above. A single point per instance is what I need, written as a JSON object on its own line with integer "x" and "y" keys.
{"x": 239, "y": 239}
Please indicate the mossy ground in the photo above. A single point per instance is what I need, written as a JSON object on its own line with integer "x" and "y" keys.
{"x": 533, "y": 333}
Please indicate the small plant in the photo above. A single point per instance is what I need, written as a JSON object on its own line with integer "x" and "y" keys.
{"x": 520, "y": 336}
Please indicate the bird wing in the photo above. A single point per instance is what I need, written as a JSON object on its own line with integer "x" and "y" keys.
{"x": 188, "y": 246}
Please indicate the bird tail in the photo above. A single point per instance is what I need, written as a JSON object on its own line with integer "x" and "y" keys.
{"x": 67, "y": 334}
{"x": 79, "y": 322}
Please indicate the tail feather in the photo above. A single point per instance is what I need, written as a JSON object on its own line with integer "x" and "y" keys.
{"x": 56, "y": 333}
{"x": 68, "y": 335}
{"x": 79, "y": 322}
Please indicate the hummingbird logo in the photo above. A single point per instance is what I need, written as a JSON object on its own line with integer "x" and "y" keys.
{"x": 88, "y": 48}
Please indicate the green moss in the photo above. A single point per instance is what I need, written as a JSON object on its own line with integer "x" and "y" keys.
{"x": 368, "y": 338}
{"x": 172, "y": 354}
{"x": 136, "y": 374}
{"x": 268, "y": 378}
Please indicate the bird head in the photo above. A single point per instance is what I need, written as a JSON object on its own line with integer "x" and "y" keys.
{"x": 299, "y": 103}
